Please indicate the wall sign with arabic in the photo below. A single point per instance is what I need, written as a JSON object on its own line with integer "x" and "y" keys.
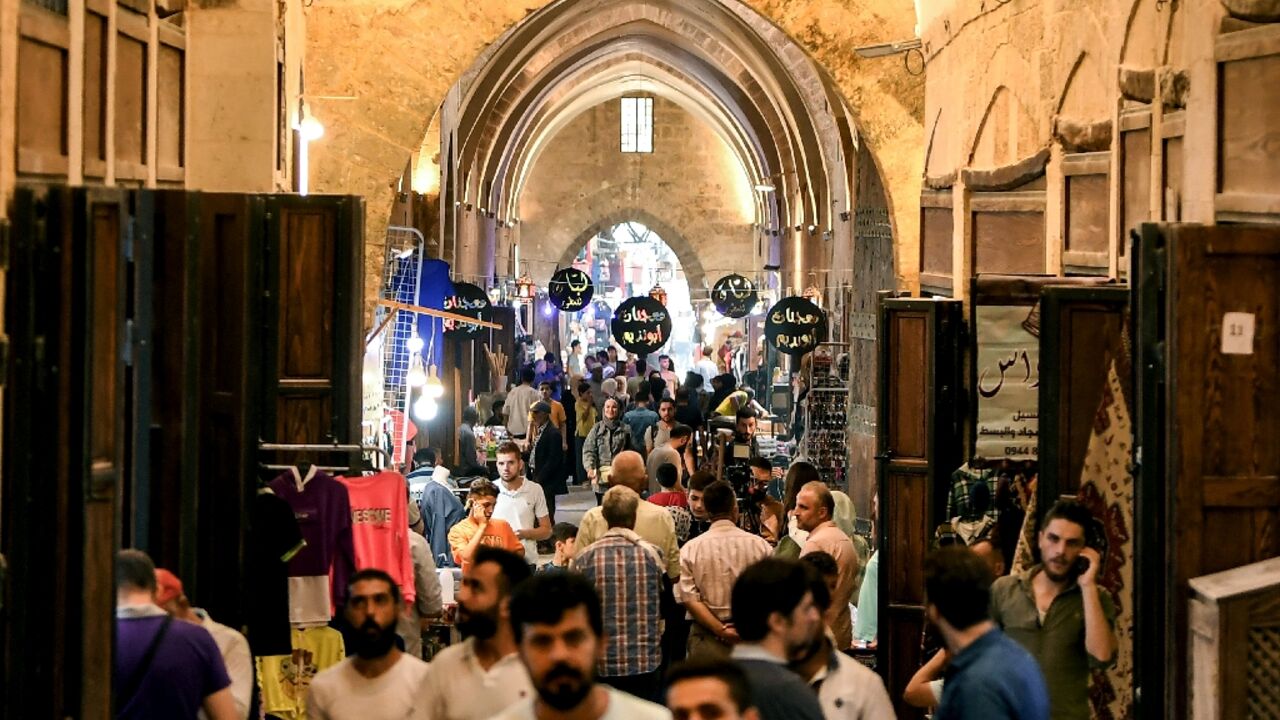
{"x": 734, "y": 296}
{"x": 795, "y": 326}
{"x": 641, "y": 325}
{"x": 570, "y": 289}
{"x": 469, "y": 300}
{"x": 1008, "y": 383}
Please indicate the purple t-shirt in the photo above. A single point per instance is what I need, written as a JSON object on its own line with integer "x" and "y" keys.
{"x": 186, "y": 669}
{"x": 323, "y": 510}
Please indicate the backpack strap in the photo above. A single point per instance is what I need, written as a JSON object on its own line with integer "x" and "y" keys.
{"x": 144, "y": 666}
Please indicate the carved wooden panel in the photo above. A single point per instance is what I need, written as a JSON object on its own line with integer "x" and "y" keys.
{"x": 95, "y": 95}
{"x": 130, "y": 107}
{"x": 1087, "y": 214}
{"x": 43, "y": 70}
{"x": 1249, "y": 137}
{"x": 1009, "y": 242}
{"x": 1135, "y": 182}
{"x": 936, "y": 225}
{"x": 170, "y": 118}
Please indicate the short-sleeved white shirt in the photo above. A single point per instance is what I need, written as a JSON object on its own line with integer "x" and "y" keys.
{"x": 342, "y": 692}
{"x": 521, "y": 509}
{"x": 621, "y": 707}
{"x": 458, "y": 688}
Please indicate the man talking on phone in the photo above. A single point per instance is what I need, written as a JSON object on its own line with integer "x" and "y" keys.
{"x": 1057, "y": 611}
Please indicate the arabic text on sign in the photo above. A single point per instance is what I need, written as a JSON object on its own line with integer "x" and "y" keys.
{"x": 790, "y": 316}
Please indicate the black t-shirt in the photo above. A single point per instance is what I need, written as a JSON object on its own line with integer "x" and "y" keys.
{"x": 689, "y": 415}
{"x": 274, "y": 537}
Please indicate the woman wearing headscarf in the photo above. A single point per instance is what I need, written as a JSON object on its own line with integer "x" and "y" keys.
{"x": 721, "y": 386}
{"x": 657, "y": 388}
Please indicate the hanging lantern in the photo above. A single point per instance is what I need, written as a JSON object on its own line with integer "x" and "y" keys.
{"x": 525, "y": 288}
{"x": 416, "y": 376}
{"x": 434, "y": 386}
{"x": 659, "y": 293}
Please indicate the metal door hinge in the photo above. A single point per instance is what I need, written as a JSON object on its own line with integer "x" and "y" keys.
{"x": 128, "y": 342}
{"x": 128, "y": 239}
{"x": 4, "y": 360}
{"x": 6, "y": 231}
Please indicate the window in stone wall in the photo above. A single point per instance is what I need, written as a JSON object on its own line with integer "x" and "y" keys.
{"x": 637, "y": 125}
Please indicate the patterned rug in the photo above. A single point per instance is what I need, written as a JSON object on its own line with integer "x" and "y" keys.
{"x": 1106, "y": 487}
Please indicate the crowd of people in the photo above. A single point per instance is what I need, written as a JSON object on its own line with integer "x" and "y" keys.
{"x": 680, "y": 594}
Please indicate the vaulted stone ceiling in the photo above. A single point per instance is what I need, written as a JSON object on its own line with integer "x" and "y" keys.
{"x": 777, "y": 81}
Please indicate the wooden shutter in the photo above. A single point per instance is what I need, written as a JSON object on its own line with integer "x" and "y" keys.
{"x": 1080, "y": 334}
{"x": 314, "y": 275}
{"x": 919, "y": 445}
{"x": 1208, "y": 485}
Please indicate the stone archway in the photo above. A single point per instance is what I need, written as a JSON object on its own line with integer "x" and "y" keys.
{"x": 674, "y": 239}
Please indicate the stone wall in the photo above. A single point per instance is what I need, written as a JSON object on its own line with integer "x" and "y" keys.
{"x": 692, "y": 184}
{"x": 375, "y": 51}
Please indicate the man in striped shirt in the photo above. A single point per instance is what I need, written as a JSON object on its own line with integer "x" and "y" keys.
{"x": 627, "y": 572}
{"x": 709, "y": 565}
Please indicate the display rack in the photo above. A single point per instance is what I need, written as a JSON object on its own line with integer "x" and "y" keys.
{"x": 826, "y": 442}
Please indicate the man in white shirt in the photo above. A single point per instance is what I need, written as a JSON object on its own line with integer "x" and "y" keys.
{"x": 521, "y": 503}
{"x": 233, "y": 646}
{"x": 847, "y": 689}
{"x": 709, "y": 565}
{"x": 706, "y": 367}
{"x": 519, "y": 400}
{"x": 559, "y": 629}
{"x": 378, "y": 682}
{"x": 482, "y": 675}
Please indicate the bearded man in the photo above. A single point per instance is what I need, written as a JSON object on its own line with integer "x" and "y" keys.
{"x": 380, "y": 681}
{"x": 482, "y": 675}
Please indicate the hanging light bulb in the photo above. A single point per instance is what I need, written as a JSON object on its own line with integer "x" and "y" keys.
{"x": 415, "y": 377}
{"x": 425, "y": 408}
{"x": 434, "y": 388}
{"x": 415, "y": 344}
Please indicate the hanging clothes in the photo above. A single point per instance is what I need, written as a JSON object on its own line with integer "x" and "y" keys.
{"x": 283, "y": 680}
{"x": 380, "y": 526}
{"x": 274, "y": 538}
{"x": 318, "y": 572}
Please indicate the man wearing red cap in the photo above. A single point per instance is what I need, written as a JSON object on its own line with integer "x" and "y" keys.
{"x": 231, "y": 644}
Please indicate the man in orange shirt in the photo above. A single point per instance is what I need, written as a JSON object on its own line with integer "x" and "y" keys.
{"x": 480, "y": 527}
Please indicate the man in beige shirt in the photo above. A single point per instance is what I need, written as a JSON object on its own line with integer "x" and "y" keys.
{"x": 815, "y": 508}
{"x": 709, "y": 565}
{"x": 653, "y": 523}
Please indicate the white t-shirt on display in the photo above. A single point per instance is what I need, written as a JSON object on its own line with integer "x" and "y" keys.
{"x": 621, "y": 707}
{"x": 521, "y": 509}
{"x": 341, "y": 692}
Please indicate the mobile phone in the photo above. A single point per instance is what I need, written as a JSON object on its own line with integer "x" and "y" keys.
{"x": 1095, "y": 536}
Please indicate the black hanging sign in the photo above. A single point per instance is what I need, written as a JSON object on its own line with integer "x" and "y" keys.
{"x": 570, "y": 289}
{"x": 795, "y": 326}
{"x": 734, "y": 296}
{"x": 471, "y": 301}
{"x": 641, "y": 325}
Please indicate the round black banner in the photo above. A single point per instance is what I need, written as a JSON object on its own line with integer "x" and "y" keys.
{"x": 471, "y": 301}
{"x": 570, "y": 289}
{"x": 641, "y": 325}
{"x": 734, "y": 296}
{"x": 795, "y": 326}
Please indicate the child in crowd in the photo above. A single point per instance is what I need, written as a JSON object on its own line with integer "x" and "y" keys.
{"x": 564, "y": 535}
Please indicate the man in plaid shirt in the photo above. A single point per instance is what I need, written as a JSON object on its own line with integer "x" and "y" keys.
{"x": 627, "y": 572}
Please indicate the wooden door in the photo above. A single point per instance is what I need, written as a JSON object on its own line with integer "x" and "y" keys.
{"x": 312, "y": 343}
{"x": 65, "y": 433}
{"x": 919, "y": 442}
{"x": 1080, "y": 335}
{"x": 1208, "y": 484}
{"x": 229, "y": 292}
{"x": 170, "y": 234}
